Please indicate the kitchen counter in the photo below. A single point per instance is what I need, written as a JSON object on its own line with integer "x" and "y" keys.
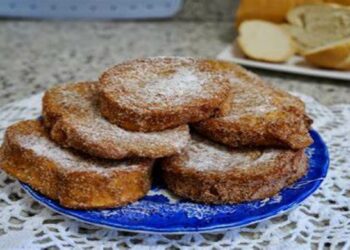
{"x": 36, "y": 55}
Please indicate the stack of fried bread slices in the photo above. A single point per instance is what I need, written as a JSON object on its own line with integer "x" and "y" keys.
{"x": 96, "y": 142}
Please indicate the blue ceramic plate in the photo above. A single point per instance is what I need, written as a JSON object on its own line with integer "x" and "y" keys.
{"x": 161, "y": 212}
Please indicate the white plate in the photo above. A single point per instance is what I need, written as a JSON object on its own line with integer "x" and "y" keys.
{"x": 295, "y": 65}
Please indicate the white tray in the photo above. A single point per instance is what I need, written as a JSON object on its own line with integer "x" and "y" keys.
{"x": 295, "y": 65}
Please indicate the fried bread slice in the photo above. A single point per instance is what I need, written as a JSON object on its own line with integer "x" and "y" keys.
{"x": 212, "y": 173}
{"x": 72, "y": 114}
{"x": 75, "y": 180}
{"x": 154, "y": 94}
{"x": 258, "y": 115}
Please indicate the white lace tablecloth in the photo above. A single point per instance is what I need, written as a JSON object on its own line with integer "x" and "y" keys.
{"x": 322, "y": 221}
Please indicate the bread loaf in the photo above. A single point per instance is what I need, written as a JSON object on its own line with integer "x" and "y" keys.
{"x": 272, "y": 10}
{"x": 342, "y": 2}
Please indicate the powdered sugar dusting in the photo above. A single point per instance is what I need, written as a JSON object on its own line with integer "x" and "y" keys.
{"x": 250, "y": 97}
{"x": 204, "y": 155}
{"x": 253, "y": 96}
{"x": 250, "y": 102}
{"x": 80, "y": 110}
{"x": 161, "y": 81}
{"x": 144, "y": 209}
{"x": 44, "y": 147}
{"x": 184, "y": 82}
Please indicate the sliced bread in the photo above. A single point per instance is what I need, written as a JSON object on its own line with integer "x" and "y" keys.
{"x": 317, "y": 25}
{"x": 334, "y": 55}
{"x": 157, "y": 93}
{"x": 74, "y": 180}
{"x": 210, "y": 173}
{"x": 265, "y": 41}
{"x": 71, "y": 114}
{"x": 259, "y": 115}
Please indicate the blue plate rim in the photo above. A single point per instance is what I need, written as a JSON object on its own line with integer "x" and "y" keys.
{"x": 180, "y": 230}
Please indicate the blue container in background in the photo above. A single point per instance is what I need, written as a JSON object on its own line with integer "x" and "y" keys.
{"x": 90, "y": 9}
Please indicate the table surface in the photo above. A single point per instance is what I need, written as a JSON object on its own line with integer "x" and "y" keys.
{"x": 36, "y": 54}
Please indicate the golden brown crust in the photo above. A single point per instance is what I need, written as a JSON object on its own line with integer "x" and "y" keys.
{"x": 272, "y": 10}
{"x": 71, "y": 112}
{"x": 335, "y": 55}
{"x": 260, "y": 115}
{"x": 243, "y": 181}
{"x": 78, "y": 182}
{"x": 154, "y": 94}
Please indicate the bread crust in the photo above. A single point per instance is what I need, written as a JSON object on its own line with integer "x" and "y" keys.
{"x": 333, "y": 56}
{"x": 273, "y": 10}
{"x": 260, "y": 115}
{"x": 71, "y": 113}
{"x": 189, "y": 94}
{"x": 242, "y": 182}
{"x": 87, "y": 183}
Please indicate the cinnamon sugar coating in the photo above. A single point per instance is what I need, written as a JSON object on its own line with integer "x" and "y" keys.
{"x": 258, "y": 114}
{"x": 154, "y": 94}
{"x": 71, "y": 112}
{"x": 211, "y": 173}
{"x": 75, "y": 180}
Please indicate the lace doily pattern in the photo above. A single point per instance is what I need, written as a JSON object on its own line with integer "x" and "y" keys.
{"x": 322, "y": 221}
